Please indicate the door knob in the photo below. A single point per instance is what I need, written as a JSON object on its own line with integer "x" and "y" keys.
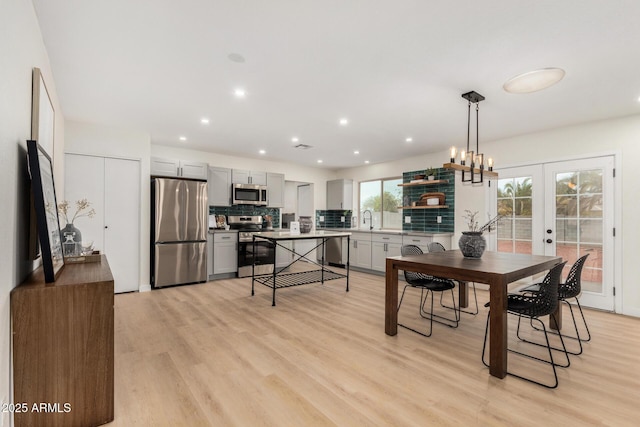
{"x": 106, "y": 226}
{"x": 549, "y": 241}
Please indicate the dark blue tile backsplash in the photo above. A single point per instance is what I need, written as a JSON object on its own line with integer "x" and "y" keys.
{"x": 426, "y": 220}
{"x": 333, "y": 219}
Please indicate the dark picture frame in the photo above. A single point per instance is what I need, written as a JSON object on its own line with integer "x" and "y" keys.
{"x": 46, "y": 206}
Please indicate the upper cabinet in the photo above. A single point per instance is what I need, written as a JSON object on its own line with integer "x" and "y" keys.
{"x": 178, "y": 168}
{"x": 219, "y": 186}
{"x": 340, "y": 194}
{"x": 275, "y": 189}
{"x": 239, "y": 176}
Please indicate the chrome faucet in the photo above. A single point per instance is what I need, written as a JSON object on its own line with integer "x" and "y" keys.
{"x": 364, "y": 219}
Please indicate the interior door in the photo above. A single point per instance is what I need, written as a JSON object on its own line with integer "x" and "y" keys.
{"x": 122, "y": 222}
{"x": 579, "y": 220}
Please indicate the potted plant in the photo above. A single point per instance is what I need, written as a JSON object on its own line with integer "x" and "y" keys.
{"x": 472, "y": 243}
{"x": 431, "y": 173}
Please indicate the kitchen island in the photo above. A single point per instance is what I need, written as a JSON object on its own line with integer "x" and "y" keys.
{"x": 282, "y": 279}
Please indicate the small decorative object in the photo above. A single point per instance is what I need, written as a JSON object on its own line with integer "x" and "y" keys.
{"x": 305, "y": 224}
{"x": 472, "y": 243}
{"x": 83, "y": 208}
{"x": 431, "y": 173}
{"x": 269, "y": 222}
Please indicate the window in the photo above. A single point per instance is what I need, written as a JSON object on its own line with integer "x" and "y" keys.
{"x": 515, "y": 204}
{"x": 383, "y": 198}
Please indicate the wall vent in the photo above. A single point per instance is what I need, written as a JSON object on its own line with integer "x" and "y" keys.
{"x": 302, "y": 146}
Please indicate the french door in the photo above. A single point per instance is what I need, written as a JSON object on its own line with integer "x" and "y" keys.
{"x": 564, "y": 209}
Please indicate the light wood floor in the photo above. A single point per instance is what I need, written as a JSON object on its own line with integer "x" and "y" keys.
{"x": 211, "y": 354}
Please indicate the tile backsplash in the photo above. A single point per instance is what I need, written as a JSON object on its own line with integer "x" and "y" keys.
{"x": 333, "y": 219}
{"x": 426, "y": 220}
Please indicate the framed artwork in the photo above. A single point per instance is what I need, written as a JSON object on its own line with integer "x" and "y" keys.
{"x": 42, "y": 114}
{"x": 46, "y": 206}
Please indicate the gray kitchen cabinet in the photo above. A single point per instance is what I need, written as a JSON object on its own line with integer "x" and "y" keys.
{"x": 223, "y": 255}
{"x": 275, "y": 190}
{"x": 360, "y": 250}
{"x": 219, "y": 180}
{"x": 178, "y": 168}
{"x": 383, "y": 246}
{"x": 340, "y": 194}
{"x": 239, "y": 176}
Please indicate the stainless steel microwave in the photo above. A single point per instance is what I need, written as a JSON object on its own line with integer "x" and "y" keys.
{"x": 249, "y": 194}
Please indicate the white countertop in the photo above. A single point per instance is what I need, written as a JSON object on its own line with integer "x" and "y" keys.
{"x": 286, "y": 235}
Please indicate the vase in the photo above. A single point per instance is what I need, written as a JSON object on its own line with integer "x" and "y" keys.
{"x": 76, "y": 237}
{"x": 305, "y": 224}
{"x": 472, "y": 244}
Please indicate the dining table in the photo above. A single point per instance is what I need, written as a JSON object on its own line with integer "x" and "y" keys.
{"x": 496, "y": 269}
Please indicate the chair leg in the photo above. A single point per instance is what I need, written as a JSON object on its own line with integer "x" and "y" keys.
{"x": 575, "y": 325}
{"x": 563, "y": 349}
{"x": 422, "y": 302}
{"x": 475, "y": 297}
{"x": 452, "y": 323}
{"x": 583, "y": 321}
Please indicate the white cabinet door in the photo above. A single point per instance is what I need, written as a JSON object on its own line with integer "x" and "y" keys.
{"x": 164, "y": 167}
{"x": 258, "y": 178}
{"x": 225, "y": 253}
{"x": 240, "y": 176}
{"x": 275, "y": 189}
{"x": 193, "y": 170}
{"x": 209, "y": 255}
{"x": 362, "y": 254}
{"x": 113, "y": 188}
{"x": 219, "y": 186}
{"x": 340, "y": 194}
{"x": 283, "y": 256}
{"x": 122, "y": 222}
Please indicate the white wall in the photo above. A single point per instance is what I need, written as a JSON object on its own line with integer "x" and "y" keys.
{"x": 97, "y": 140}
{"x": 316, "y": 176}
{"x": 21, "y": 49}
{"x": 621, "y": 136}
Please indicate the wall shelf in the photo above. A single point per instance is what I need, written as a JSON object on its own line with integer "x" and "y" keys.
{"x": 424, "y": 182}
{"x": 425, "y": 207}
{"x": 458, "y": 167}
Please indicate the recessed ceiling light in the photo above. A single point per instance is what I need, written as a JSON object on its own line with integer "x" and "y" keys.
{"x": 204, "y": 121}
{"x": 319, "y": 161}
{"x": 344, "y": 122}
{"x": 240, "y": 93}
{"x": 262, "y": 152}
{"x": 356, "y": 152}
{"x": 409, "y": 139}
{"x": 534, "y": 81}
{"x": 366, "y": 162}
{"x": 639, "y": 99}
{"x": 295, "y": 139}
{"x": 183, "y": 138}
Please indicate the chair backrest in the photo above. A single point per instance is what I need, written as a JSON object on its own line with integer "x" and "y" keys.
{"x": 436, "y": 247}
{"x": 572, "y": 286}
{"x": 546, "y": 299}
{"x": 412, "y": 276}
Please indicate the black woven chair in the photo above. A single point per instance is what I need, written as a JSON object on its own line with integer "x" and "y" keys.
{"x": 427, "y": 285}
{"x": 437, "y": 247}
{"x": 544, "y": 302}
{"x": 571, "y": 288}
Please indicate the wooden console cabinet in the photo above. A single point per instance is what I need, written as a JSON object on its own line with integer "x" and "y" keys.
{"x": 63, "y": 350}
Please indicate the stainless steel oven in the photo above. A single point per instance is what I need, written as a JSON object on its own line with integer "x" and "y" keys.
{"x": 263, "y": 253}
{"x": 249, "y": 194}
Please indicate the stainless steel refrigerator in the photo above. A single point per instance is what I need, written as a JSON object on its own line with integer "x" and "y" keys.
{"x": 178, "y": 231}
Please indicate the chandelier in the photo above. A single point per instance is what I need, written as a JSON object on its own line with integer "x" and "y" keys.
{"x": 472, "y": 163}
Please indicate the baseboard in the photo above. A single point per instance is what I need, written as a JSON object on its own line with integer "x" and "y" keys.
{"x": 635, "y": 312}
{"x": 144, "y": 288}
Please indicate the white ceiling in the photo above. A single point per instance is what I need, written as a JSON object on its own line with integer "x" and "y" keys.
{"x": 394, "y": 68}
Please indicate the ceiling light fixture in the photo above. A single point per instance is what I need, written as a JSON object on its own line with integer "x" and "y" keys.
{"x": 262, "y": 152}
{"x": 356, "y": 152}
{"x": 294, "y": 139}
{"x": 240, "y": 93}
{"x": 183, "y": 138}
{"x": 534, "y": 81}
{"x": 319, "y": 161}
{"x": 366, "y": 162}
{"x": 344, "y": 122}
{"x": 472, "y": 158}
{"x": 409, "y": 139}
{"x": 204, "y": 121}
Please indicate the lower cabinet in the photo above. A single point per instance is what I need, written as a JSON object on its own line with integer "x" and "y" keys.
{"x": 384, "y": 246}
{"x": 284, "y": 257}
{"x": 360, "y": 250}
{"x": 223, "y": 255}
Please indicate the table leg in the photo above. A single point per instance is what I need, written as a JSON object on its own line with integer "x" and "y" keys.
{"x": 498, "y": 329}
{"x": 391, "y": 298}
{"x": 463, "y": 294}
{"x": 348, "y": 246}
{"x": 555, "y": 322}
